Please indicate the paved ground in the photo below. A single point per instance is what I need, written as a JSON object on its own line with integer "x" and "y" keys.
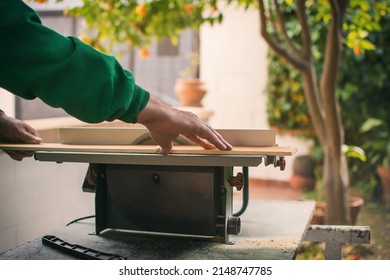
{"x": 374, "y": 214}
{"x": 264, "y": 189}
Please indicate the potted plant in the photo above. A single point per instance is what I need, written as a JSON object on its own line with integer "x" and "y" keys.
{"x": 378, "y": 150}
{"x": 189, "y": 89}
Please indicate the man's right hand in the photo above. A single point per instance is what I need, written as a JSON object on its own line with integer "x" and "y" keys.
{"x": 165, "y": 124}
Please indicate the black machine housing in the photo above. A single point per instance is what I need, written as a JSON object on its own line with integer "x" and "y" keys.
{"x": 184, "y": 200}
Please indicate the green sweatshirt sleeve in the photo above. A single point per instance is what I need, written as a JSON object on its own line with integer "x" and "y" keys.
{"x": 36, "y": 61}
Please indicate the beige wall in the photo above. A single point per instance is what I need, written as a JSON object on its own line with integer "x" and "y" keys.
{"x": 37, "y": 198}
{"x": 234, "y": 66}
{"x": 7, "y": 102}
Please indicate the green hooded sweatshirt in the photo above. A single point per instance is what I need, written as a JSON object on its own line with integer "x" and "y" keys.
{"x": 64, "y": 72}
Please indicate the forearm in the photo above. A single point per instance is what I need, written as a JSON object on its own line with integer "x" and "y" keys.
{"x": 63, "y": 71}
{"x": 153, "y": 112}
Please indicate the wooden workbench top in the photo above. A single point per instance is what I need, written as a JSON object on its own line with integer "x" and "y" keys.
{"x": 150, "y": 149}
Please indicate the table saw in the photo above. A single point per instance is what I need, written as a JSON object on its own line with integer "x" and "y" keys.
{"x": 186, "y": 194}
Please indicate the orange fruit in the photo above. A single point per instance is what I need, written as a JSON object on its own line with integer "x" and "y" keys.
{"x": 141, "y": 10}
{"x": 357, "y": 50}
{"x": 84, "y": 39}
{"x": 40, "y": 1}
{"x": 144, "y": 53}
{"x": 189, "y": 8}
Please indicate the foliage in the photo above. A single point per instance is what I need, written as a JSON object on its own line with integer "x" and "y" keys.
{"x": 193, "y": 66}
{"x": 364, "y": 84}
{"x": 379, "y": 147}
{"x": 286, "y": 104}
{"x": 311, "y": 251}
{"x": 137, "y": 22}
{"x": 364, "y": 90}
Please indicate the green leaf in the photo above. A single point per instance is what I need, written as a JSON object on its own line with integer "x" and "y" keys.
{"x": 354, "y": 152}
{"x": 367, "y": 45}
{"x": 370, "y": 124}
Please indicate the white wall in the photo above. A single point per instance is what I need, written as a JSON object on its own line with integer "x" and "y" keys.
{"x": 234, "y": 66}
{"x": 7, "y": 102}
{"x": 37, "y": 198}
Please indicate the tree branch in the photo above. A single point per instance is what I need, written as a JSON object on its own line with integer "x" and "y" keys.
{"x": 332, "y": 56}
{"x": 305, "y": 30}
{"x": 289, "y": 41}
{"x": 295, "y": 60}
{"x": 328, "y": 81}
{"x": 306, "y": 67}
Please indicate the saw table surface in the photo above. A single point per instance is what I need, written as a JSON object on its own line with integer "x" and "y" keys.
{"x": 186, "y": 155}
{"x": 149, "y": 149}
{"x": 271, "y": 230}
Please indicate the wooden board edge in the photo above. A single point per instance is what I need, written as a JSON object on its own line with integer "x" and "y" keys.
{"x": 150, "y": 149}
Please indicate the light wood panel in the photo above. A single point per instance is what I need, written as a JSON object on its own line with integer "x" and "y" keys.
{"x": 149, "y": 149}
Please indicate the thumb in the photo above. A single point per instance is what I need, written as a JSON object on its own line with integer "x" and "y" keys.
{"x": 165, "y": 149}
{"x": 164, "y": 142}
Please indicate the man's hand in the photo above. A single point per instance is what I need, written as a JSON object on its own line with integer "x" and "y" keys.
{"x": 17, "y": 131}
{"x": 165, "y": 124}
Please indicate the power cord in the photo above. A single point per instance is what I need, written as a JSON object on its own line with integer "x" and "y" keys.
{"x": 80, "y": 219}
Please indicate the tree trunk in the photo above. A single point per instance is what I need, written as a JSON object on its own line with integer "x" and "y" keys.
{"x": 336, "y": 176}
{"x": 321, "y": 100}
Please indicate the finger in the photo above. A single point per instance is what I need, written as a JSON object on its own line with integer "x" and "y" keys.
{"x": 30, "y": 137}
{"x": 19, "y": 155}
{"x": 32, "y": 132}
{"x": 226, "y": 143}
{"x": 214, "y": 138}
{"x": 202, "y": 142}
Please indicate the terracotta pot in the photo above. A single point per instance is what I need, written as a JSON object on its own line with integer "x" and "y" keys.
{"x": 355, "y": 204}
{"x": 319, "y": 214}
{"x": 384, "y": 175}
{"x": 190, "y": 92}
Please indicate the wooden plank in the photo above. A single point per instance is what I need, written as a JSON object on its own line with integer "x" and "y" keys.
{"x": 341, "y": 234}
{"x": 139, "y": 135}
{"x": 150, "y": 149}
{"x": 335, "y": 236}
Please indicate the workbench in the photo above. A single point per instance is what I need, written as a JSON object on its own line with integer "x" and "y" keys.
{"x": 176, "y": 206}
{"x": 272, "y": 230}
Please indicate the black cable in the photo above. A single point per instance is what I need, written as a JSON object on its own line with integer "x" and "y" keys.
{"x": 79, "y": 219}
